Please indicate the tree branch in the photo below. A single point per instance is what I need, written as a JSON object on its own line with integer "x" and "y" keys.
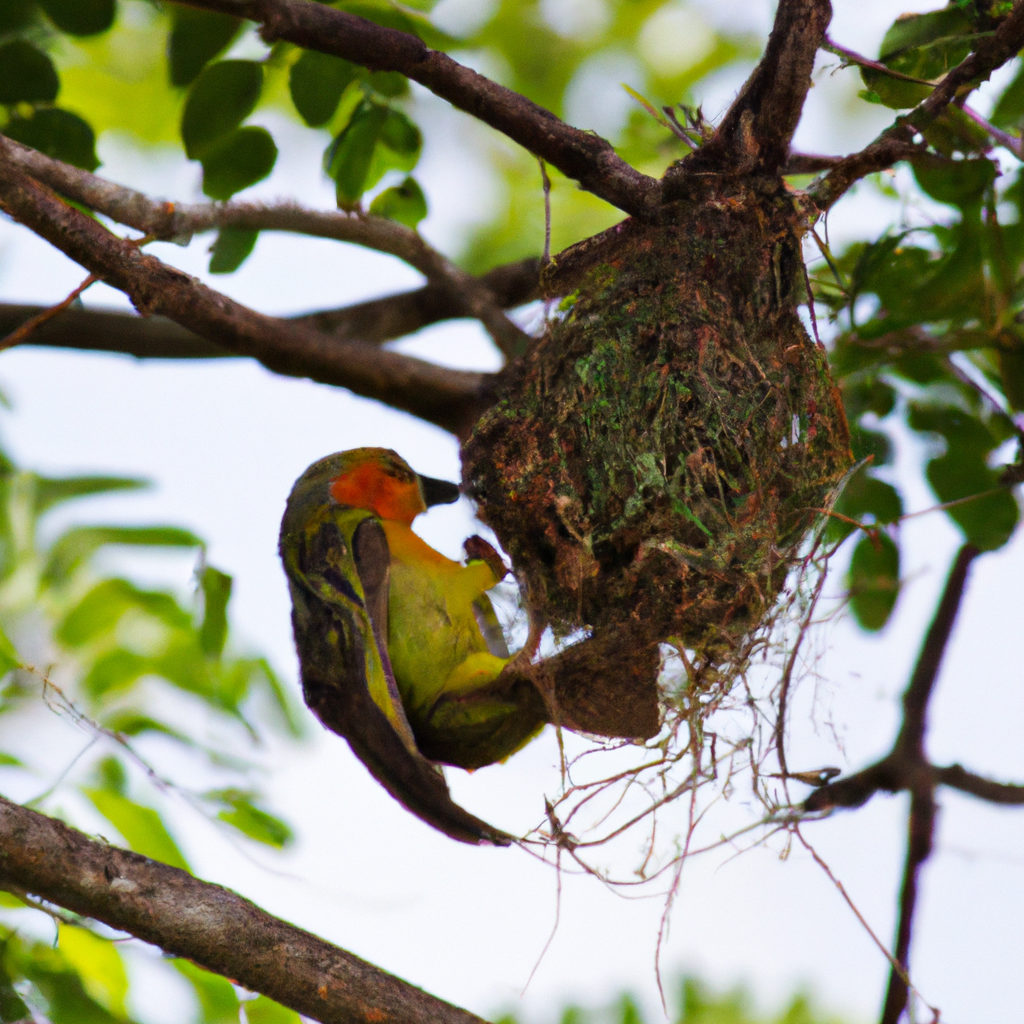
{"x": 180, "y": 221}
{"x": 449, "y": 398}
{"x": 754, "y": 135}
{"x": 583, "y": 156}
{"x": 991, "y": 53}
{"x": 920, "y": 832}
{"x": 376, "y": 322}
{"x": 957, "y": 777}
{"x": 208, "y": 924}
{"x": 910, "y": 741}
{"x": 905, "y": 766}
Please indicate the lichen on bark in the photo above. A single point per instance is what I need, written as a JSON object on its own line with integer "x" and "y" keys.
{"x": 655, "y": 462}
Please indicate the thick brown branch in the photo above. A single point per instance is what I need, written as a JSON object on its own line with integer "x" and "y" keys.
{"x": 376, "y": 321}
{"x": 991, "y": 53}
{"x": 583, "y": 156}
{"x": 957, "y": 777}
{"x": 208, "y": 924}
{"x": 180, "y": 221}
{"x": 920, "y": 833}
{"x": 451, "y": 399}
{"x": 754, "y": 135}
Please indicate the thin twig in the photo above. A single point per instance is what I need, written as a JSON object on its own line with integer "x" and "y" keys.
{"x": 889, "y": 147}
{"x": 893, "y": 962}
{"x": 22, "y": 333}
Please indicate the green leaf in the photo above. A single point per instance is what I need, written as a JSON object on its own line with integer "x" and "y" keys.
{"x": 59, "y": 984}
{"x": 15, "y": 14}
{"x": 70, "y": 550}
{"x": 196, "y": 38}
{"x": 245, "y": 157}
{"x": 954, "y": 132}
{"x": 216, "y": 587}
{"x": 217, "y": 1000}
{"x": 404, "y": 203}
{"x": 915, "y": 30}
{"x": 9, "y": 657}
{"x": 26, "y": 74}
{"x": 990, "y": 517}
{"x": 131, "y": 723}
{"x": 1009, "y": 110}
{"x": 348, "y": 158}
{"x": 98, "y": 964}
{"x": 232, "y": 249}
{"x": 12, "y": 1008}
{"x": 57, "y": 133}
{"x": 868, "y": 500}
{"x": 100, "y": 610}
{"x": 10, "y": 761}
{"x": 316, "y": 81}
{"x": 52, "y": 491}
{"x": 1011, "y": 372}
{"x": 957, "y": 182}
{"x": 388, "y": 84}
{"x": 262, "y": 1010}
{"x": 250, "y": 820}
{"x": 114, "y": 671}
{"x": 400, "y": 135}
{"x": 80, "y": 17}
{"x": 140, "y": 826}
{"x": 874, "y": 580}
{"x": 220, "y": 99}
{"x": 390, "y": 15}
{"x": 868, "y": 395}
{"x": 111, "y": 775}
{"x": 872, "y": 444}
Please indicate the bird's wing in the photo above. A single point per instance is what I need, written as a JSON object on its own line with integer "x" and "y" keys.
{"x": 372, "y": 560}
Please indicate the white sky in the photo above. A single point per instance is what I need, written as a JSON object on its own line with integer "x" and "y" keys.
{"x": 224, "y": 442}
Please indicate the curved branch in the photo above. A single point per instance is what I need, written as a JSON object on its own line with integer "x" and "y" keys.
{"x": 208, "y": 924}
{"x": 449, "y": 398}
{"x": 180, "y": 221}
{"x": 376, "y": 322}
{"x": 583, "y": 156}
{"x": 991, "y": 53}
{"x": 957, "y": 777}
{"x": 754, "y": 135}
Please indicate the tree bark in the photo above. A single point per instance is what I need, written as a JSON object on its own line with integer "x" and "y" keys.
{"x": 207, "y": 924}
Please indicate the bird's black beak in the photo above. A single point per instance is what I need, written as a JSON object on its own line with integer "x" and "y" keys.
{"x": 438, "y": 492}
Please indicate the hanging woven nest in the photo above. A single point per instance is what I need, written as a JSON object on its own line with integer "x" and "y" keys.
{"x": 655, "y": 462}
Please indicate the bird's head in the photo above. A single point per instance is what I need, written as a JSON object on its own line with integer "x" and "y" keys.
{"x": 382, "y": 482}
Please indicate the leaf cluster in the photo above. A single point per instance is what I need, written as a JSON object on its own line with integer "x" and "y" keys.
{"x": 929, "y": 323}
{"x": 107, "y": 654}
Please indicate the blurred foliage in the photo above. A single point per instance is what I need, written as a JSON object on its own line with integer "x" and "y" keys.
{"x": 696, "y": 1005}
{"x": 135, "y": 670}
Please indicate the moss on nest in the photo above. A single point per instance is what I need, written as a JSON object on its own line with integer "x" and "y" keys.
{"x": 654, "y": 463}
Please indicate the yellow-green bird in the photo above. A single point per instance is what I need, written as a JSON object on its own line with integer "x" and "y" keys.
{"x": 399, "y": 647}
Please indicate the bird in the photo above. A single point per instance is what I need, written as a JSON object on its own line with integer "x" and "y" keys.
{"x": 399, "y": 647}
